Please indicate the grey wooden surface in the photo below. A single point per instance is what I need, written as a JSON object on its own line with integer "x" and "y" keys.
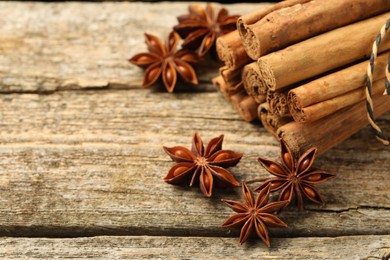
{"x": 130, "y": 247}
{"x": 80, "y": 150}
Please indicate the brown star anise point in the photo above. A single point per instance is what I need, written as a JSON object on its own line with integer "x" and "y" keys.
{"x": 200, "y": 28}
{"x": 254, "y": 214}
{"x": 163, "y": 61}
{"x": 203, "y": 165}
{"x": 295, "y": 177}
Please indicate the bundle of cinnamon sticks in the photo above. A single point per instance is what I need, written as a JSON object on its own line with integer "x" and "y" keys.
{"x": 300, "y": 67}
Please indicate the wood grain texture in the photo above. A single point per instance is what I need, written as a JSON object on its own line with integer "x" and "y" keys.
{"x": 354, "y": 247}
{"x": 50, "y": 46}
{"x": 90, "y": 163}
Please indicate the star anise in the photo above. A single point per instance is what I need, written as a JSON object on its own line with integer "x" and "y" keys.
{"x": 166, "y": 61}
{"x": 295, "y": 176}
{"x": 200, "y": 28}
{"x": 255, "y": 214}
{"x": 206, "y": 165}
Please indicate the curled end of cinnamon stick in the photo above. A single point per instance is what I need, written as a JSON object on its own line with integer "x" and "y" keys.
{"x": 232, "y": 89}
{"x": 297, "y": 143}
{"x": 278, "y": 103}
{"x": 262, "y": 113}
{"x": 231, "y": 77}
{"x": 217, "y": 82}
{"x": 241, "y": 27}
{"x": 231, "y": 51}
{"x": 221, "y": 85}
{"x": 270, "y": 121}
{"x": 249, "y": 39}
{"x": 247, "y": 109}
{"x": 252, "y": 81}
{"x": 251, "y": 44}
{"x": 295, "y": 107}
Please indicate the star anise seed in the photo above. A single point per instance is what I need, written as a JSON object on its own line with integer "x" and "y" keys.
{"x": 163, "y": 61}
{"x": 255, "y": 214}
{"x": 200, "y": 28}
{"x": 295, "y": 177}
{"x": 203, "y": 165}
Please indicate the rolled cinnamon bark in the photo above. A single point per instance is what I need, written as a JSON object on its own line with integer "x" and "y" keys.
{"x": 251, "y": 18}
{"x": 333, "y": 129}
{"x": 231, "y": 51}
{"x": 334, "y": 84}
{"x": 247, "y": 108}
{"x": 320, "y": 54}
{"x": 244, "y": 104}
{"x": 222, "y": 86}
{"x": 237, "y": 98}
{"x": 225, "y": 88}
{"x": 270, "y": 121}
{"x": 231, "y": 77}
{"x": 233, "y": 89}
{"x": 218, "y": 82}
{"x": 330, "y": 106}
{"x": 262, "y": 112}
{"x": 236, "y": 88}
{"x": 278, "y": 103}
{"x": 292, "y": 24}
{"x": 251, "y": 79}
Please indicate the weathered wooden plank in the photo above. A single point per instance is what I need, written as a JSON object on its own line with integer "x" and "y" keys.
{"x": 49, "y": 46}
{"x": 90, "y": 163}
{"x": 354, "y": 247}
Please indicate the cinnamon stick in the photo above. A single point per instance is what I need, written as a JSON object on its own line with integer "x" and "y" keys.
{"x": 321, "y": 53}
{"x": 333, "y": 129}
{"x": 251, "y": 80}
{"x": 330, "y": 106}
{"x": 231, "y": 77}
{"x": 222, "y": 86}
{"x": 231, "y": 51}
{"x": 218, "y": 82}
{"x": 270, "y": 121}
{"x": 281, "y": 28}
{"x": 278, "y": 103}
{"x": 237, "y": 98}
{"x": 245, "y": 105}
{"x": 244, "y": 21}
{"x": 247, "y": 108}
{"x": 334, "y": 84}
{"x": 232, "y": 89}
{"x": 225, "y": 88}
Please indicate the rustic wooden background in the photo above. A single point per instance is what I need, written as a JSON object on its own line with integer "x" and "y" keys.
{"x": 81, "y": 163}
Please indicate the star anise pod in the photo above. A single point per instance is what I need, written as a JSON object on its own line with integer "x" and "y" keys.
{"x": 200, "y": 28}
{"x": 203, "y": 165}
{"x": 255, "y": 214}
{"x": 164, "y": 61}
{"x": 295, "y": 177}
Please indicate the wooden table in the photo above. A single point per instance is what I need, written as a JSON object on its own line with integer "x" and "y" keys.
{"x": 81, "y": 159}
